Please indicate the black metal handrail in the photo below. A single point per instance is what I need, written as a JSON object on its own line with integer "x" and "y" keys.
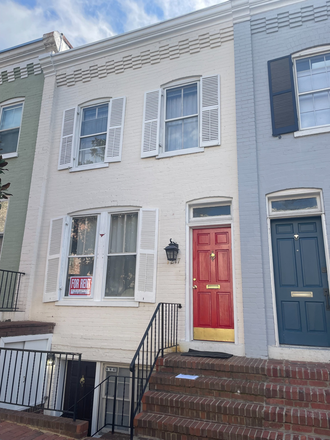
{"x": 36, "y": 379}
{"x": 9, "y": 289}
{"x": 161, "y": 334}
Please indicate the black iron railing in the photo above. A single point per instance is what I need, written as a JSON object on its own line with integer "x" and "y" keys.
{"x": 161, "y": 333}
{"x": 9, "y": 289}
{"x": 113, "y": 396}
{"x": 36, "y": 379}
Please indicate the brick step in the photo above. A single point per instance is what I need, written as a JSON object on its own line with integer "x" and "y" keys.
{"x": 236, "y": 412}
{"x": 244, "y": 390}
{"x": 295, "y": 373}
{"x": 152, "y": 425}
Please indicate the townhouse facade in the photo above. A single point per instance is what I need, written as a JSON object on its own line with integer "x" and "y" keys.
{"x": 282, "y": 101}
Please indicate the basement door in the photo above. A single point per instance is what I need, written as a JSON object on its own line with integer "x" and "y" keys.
{"x": 301, "y": 284}
{"x": 213, "y": 317}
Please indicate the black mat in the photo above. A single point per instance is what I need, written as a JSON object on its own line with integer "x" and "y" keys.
{"x": 208, "y": 354}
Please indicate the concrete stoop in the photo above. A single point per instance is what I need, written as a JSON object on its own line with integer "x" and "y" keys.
{"x": 236, "y": 399}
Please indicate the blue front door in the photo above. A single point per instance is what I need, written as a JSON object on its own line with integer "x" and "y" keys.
{"x": 301, "y": 282}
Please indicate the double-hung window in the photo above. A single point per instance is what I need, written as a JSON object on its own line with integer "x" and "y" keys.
{"x": 103, "y": 257}
{"x": 10, "y": 124}
{"x": 92, "y": 134}
{"x": 299, "y": 88}
{"x": 182, "y": 117}
{"x": 313, "y": 88}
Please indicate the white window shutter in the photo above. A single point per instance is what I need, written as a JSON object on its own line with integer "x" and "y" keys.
{"x": 115, "y": 130}
{"x": 150, "y": 129}
{"x": 67, "y": 139}
{"x": 210, "y": 111}
{"x": 51, "y": 290}
{"x": 145, "y": 285}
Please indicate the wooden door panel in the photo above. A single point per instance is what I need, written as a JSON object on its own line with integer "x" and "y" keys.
{"x": 213, "y": 305}
{"x": 300, "y": 282}
{"x": 224, "y": 310}
{"x": 223, "y": 273}
{"x": 204, "y": 269}
{"x": 205, "y": 309}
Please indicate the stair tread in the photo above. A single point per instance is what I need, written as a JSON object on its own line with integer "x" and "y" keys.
{"x": 210, "y": 429}
{"x": 162, "y": 398}
{"x": 268, "y": 368}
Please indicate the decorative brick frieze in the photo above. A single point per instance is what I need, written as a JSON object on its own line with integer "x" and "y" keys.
{"x": 291, "y": 19}
{"x": 18, "y": 72}
{"x": 190, "y": 45}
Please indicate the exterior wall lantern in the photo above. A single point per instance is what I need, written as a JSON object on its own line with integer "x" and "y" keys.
{"x": 50, "y": 359}
{"x": 172, "y": 251}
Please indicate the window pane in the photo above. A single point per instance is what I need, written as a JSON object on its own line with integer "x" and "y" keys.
{"x": 79, "y": 266}
{"x": 117, "y": 231}
{"x": 120, "y": 276}
{"x": 306, "y": 103}
{"x": 131, "y": 232}
{"x": 8, "y": 141}
{"x": 83, "y": 233}
{"x": 305, "y": 84}
{"x": 320, "y": 81}
{"x": 173, "y": 135}
{"x": 190, "y": 100}
{"x": 11, "y": 117}
{"x": 91, "y": 149}
{"x": 294, "y": 204}
{"x": 307, "y": 120}
{"x": 190, "y": 133}
{"x": 321, "y": 100}
{"x": 174, "y": 103}
{"x": 303, "y": 67}
{"x": 210, "y": 211}
{"x": 322, "y": 117}
{"x": 94, "y": 120}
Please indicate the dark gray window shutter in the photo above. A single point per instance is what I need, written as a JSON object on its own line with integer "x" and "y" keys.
{"x": 282, "y": 96}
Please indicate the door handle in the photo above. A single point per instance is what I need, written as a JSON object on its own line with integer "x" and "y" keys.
{"x": 326, "y": 294}
{"x": 194, "y": 286}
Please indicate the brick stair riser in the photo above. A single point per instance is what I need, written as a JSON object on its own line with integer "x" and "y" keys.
{"x": 272, "y": 394}
{"x": 175, "y": 428}
{"x": 262, "y": 371}
{"x": 238, "y": 413}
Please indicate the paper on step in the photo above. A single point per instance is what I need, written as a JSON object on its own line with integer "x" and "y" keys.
{"x": 186, "y": 376}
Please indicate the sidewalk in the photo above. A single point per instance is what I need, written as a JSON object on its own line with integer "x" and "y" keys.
{"x": 13, "y": 431}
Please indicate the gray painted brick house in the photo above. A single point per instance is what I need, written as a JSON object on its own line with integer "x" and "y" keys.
{"x": 282, "y": 63}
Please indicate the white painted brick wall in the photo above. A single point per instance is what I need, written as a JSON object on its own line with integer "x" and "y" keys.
{"x": 106, "y": 333}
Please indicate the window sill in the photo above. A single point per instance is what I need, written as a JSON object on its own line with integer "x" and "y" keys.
{"x": 9, "y": 155}
{"x": 180, "y": 152}
{"x": 92, "y": 303}
{"x": 311, "y": 131}
{"x": 89, "y": 167}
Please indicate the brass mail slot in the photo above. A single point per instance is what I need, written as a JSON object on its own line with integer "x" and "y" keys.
{"x": 303, "y": 294}
{"x": 213, "y": 286}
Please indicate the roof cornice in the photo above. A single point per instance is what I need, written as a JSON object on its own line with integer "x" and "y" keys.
{"x": 224, "y": 14}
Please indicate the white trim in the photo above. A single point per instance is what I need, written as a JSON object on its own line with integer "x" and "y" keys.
{"x": 291, "y": 194}
{"x": 200, "y": 223}
{"x": 305, "y": 54}
{"x": 181, "y": 81}
{"x": 180, "y": 152}
{"x": 10, "y": 155}
{"x": 298, "y": 353}
{"x": 311, "y": 131}
{"x": 318, "y": 50}
{"x": 83, "y": 302}
{"x": 96, "y": 400}
{"x": 89, "y": 167}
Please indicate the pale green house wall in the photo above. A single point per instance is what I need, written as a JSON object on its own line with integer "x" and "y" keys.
{"x": 20, "y": 168}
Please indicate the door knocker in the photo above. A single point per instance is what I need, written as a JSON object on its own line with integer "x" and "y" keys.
{"x": 212, "y": 256}
{"x": 82, "y": 381}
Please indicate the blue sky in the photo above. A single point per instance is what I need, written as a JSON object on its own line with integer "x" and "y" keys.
{"x": 85, "y": 21}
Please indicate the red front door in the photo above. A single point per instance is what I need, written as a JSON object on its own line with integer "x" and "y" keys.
{"x": 213, "y": 285}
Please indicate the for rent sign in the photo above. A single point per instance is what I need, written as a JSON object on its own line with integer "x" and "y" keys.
{"x": 80, "y": 286}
